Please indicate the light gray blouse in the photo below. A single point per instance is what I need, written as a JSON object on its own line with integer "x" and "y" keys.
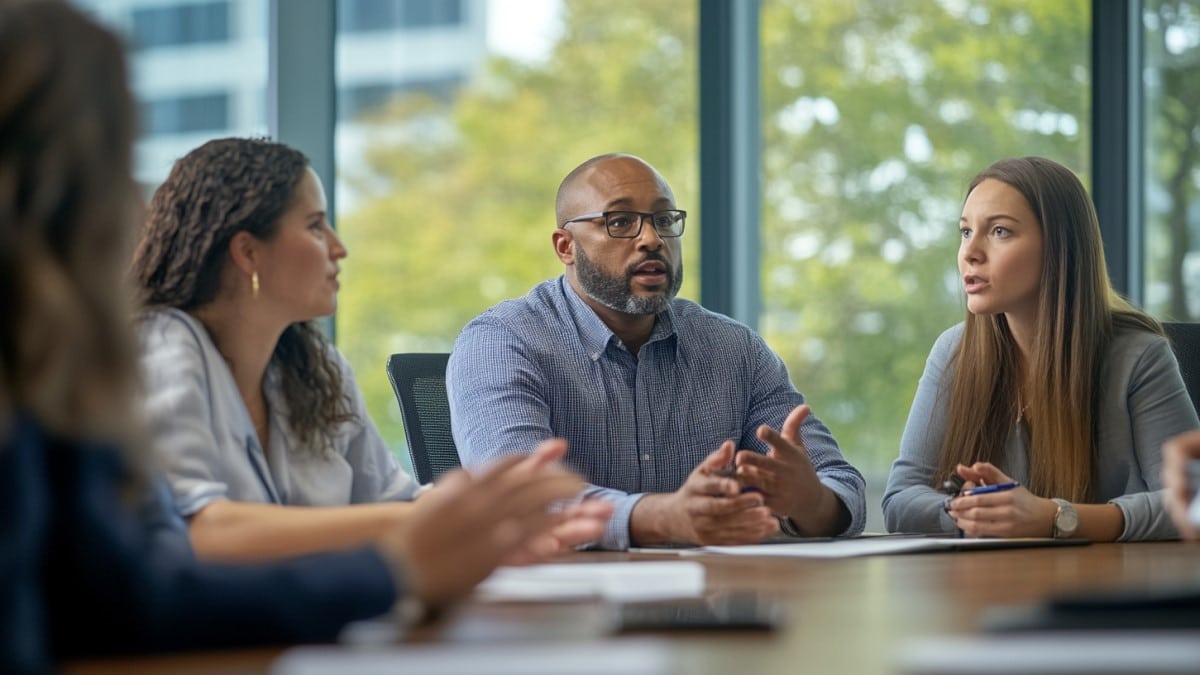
{"x": 1143, "y": 403}
{"x": 205, "y": 442}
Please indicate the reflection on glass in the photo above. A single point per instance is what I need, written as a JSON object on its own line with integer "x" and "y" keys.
{"x": 457, "y": 120}
{"x": 875, "y": 116}
{"x": 1171, "y": 82}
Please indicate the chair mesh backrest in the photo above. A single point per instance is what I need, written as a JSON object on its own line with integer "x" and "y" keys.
{"x": 1185, "y": 340}
{"x": 419, "y": 381}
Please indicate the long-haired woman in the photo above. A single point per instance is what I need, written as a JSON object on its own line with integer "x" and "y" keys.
{"x": 1053, "y": 381}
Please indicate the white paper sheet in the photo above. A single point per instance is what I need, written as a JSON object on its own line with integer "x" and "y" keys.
{"x": 1058, "y": 653}
{"x": 618, "y": 581}
{"x": 849, "y": 548}
{"x": 630, "y": 657}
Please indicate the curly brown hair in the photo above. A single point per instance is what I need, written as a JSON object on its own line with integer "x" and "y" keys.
{"x": 66, "y": 223}
{"x": 221, "y": 188}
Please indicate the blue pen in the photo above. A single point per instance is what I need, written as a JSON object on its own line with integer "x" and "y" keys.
{"x": 988, "y": 489}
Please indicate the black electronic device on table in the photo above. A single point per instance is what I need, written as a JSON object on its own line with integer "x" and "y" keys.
{"x": 738, "y": 611}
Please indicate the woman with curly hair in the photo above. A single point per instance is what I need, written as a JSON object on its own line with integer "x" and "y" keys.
{"x": 1053, "y": 381}
{"x": 259, "y": 424}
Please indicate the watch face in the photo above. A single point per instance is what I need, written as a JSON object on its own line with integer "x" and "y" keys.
{"x": 1066, "y": 521}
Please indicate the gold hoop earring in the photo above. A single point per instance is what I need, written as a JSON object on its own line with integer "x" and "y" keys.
{"x": 254, "y": 283}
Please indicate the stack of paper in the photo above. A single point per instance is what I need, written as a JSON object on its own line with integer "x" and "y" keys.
{"x": 617, "y": 582}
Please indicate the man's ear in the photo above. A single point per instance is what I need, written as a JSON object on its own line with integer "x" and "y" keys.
{"x": 564, "y": 245}
{"x": 244, "y": 252}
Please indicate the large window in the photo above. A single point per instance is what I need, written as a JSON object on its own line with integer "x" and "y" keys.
{"x": 1171, "y": 81}
{"x": 458, "y": 117}
{"x": 446, "y": 203}
{"x": 198, "y": 69}
{"x": 357, "y": 16}
{"x": 182, "y": 24}
{"x": 184, "y": 114}
{"x": 364, "y": 100}
{"x": 875, "y": 115}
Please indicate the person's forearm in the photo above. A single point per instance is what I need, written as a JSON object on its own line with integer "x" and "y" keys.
{"x": 1100, "y": 522}
{"x": 827, "y": 518}
{"x": 245, "y": 531}
{"x": 652, "y": 522}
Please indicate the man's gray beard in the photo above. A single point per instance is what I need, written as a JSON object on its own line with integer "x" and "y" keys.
{"x": 614, "y": 292}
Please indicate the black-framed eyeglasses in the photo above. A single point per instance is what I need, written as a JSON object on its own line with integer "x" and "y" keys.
{"x": 628, "y": 224}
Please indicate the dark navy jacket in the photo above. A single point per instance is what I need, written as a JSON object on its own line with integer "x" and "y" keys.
{"x": 81, "y": 574}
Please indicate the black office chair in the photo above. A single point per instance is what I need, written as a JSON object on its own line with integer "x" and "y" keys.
{"x": 419, "y": 381}
{"x": 1185, "y": 340}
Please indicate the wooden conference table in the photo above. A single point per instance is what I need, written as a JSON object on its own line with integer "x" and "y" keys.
{"x": 844, "y": 616}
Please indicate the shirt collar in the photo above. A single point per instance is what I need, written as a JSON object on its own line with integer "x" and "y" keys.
{"x": 594, "y": 334}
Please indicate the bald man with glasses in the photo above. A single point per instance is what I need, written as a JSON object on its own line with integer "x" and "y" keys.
{"x": 683, "y": 418}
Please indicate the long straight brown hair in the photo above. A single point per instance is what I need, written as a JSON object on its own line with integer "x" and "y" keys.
{"x": 1076, "y": 314}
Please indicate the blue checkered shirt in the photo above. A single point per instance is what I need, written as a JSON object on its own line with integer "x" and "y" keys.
{"x": 545, "y": 365}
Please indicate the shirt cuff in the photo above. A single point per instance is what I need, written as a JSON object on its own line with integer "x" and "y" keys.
{"x": 1146, "y": 517}
{"x": 855, "y": 503}
{"x": 616, "y": 535}
{"x": 407, "y": 609}
{"x": 198, "y": 496}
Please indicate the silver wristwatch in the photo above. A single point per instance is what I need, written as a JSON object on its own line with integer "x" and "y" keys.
{"x": 1066, "y": 520}
{"x": 788, "y": 527}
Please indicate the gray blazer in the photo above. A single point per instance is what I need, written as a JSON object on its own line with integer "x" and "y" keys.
{"x": 1143, "y": 403}
{"x": 206, "y": 445}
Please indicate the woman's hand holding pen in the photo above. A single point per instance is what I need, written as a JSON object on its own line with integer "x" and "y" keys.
{"x": 1015, "y": 512}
